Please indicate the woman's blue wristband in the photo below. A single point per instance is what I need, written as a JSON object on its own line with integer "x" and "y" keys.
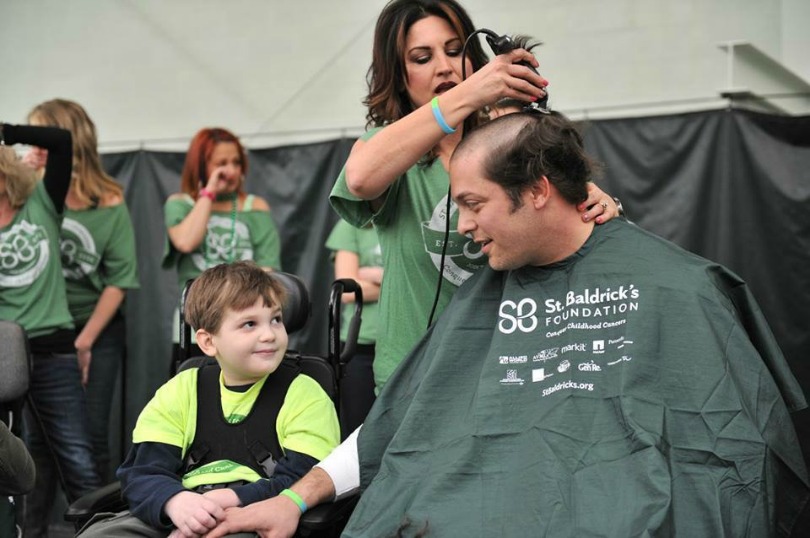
{"x": 290, "y": 494}
{"x": 437, "y": 113}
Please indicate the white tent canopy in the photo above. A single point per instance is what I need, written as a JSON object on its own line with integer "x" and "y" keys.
{"x": 152, "y": 72}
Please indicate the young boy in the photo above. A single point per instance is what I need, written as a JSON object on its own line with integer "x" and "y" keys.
{"x": 186, "y": 467}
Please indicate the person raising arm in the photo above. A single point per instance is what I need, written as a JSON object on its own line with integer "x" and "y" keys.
{"x": 98, "y": 262}
{"x": 396, "y": 174}
{"x": 32, "y": 293}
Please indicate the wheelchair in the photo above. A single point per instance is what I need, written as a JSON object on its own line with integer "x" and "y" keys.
{"x": 15, "y": 363}
{"x": 323, "y": 521}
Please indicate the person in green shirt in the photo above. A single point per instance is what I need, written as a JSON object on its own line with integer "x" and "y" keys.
{"x": 32, "y": 294}
{"x": 212, "y": 219}
{"x": 99, "y": 264}
{"x": 396, "y": 174}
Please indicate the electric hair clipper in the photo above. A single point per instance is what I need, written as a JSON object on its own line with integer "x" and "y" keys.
{"x": 504, "y": 44}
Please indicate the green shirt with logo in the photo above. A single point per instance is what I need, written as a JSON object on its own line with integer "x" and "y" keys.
{"x": 363, "y": 242}
{"x": 306, "y": 423}
{"x": 410, "y": 226}
{"x": 251, "y": 236}
{"x": 632, "y": 389}
{"x": 32, "y": 289}
{"x": 98, "y": 250}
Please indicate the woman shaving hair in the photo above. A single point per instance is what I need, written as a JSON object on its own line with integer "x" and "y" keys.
{"x": 396, "y": 175}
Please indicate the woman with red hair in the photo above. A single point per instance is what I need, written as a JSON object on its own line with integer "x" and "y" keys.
{"x": 213, "y": 220}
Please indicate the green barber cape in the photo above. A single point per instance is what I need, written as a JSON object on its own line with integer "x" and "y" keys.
{"x": 633, "y": 389}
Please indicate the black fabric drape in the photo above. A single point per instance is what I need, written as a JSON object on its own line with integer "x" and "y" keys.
{"x": 734, "y": 187}
{"x": 729, "y": 185}
{"x": 296, "y": 181}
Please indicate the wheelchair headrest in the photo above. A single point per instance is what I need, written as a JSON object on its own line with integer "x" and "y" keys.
{"x": 15, "y": 361}
{"x": 297, "y": 308}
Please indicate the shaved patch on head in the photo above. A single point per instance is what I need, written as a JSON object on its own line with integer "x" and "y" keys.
{"x": 493, "y": 135}
{"x": 519, "y": 149}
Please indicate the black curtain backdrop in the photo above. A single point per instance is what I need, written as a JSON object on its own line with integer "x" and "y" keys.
{"x": 730, "y": 185}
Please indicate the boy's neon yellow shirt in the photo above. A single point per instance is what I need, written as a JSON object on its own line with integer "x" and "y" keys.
{"x": 306, "y": 423}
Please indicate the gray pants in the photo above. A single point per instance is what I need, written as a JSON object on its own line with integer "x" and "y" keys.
{"x": 125, "y": 525}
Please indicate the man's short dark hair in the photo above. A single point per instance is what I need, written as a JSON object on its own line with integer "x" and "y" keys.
{"x": 522, "y": 147}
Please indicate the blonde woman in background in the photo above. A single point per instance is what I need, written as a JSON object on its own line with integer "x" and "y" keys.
{"x": 98, "y": 262}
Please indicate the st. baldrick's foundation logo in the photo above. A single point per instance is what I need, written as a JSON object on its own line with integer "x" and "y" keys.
{"x": 24, "y": 254}
{"x": 225, "y": 241}
{"x": 463, "y": 257}
{"x": 78, "y": 250}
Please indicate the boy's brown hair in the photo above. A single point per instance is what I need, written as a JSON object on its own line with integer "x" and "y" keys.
{"x": 236, "y": 286}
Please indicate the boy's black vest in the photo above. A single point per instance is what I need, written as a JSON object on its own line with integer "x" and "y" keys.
{"x": 252, "y": 442}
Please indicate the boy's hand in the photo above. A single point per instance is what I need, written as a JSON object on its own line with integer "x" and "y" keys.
{"x": 276, "y": 517}
{"x": 193, "y": 514}
{"x": 224, "y": 497}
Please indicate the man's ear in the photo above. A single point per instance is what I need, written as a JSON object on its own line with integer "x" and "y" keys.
{"x": 540, "y": 192}
{"x": 205, "y": 341}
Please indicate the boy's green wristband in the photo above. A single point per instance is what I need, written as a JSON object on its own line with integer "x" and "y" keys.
{"x": 295, "y": 498}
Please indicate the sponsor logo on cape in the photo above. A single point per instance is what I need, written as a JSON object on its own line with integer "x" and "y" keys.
{"x": 587, "y": 310}
{"x": 589, "y": 367}
{"x": 517, "y": 316}
{"x": 513, "y": 359}
{"x": 512, "y": 378}
{"x": 539, "y": 374}
{"x": 571, "y": 385}
{"x": 623, "y": 358}
{"x": 546, "y": 354}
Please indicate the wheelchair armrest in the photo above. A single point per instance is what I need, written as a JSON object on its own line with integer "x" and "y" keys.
{"x": 327, "y": 515}
{"x": 104, "y": 499}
